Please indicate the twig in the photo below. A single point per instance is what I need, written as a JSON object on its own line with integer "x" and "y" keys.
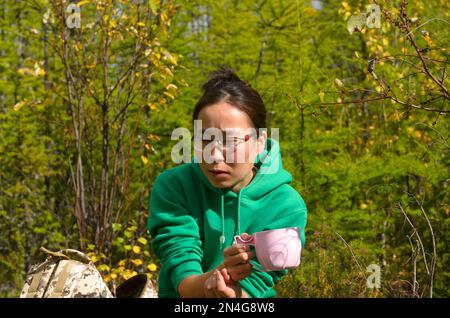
{"x": 417, "y": 235}
{"x": 351, "y": 251}
{"x": 433, "y": 260}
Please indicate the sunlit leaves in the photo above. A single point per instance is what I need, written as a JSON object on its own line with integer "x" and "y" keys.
{"x": 338, "y": 82}
{"x": 144, "y": 159}
{"x": 20, "y": 104}
{"x": 136, "y": 249}
{"x": 142, "y": 240}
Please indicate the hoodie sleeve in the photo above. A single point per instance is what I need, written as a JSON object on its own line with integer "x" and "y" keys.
{"x": 260, "y": 284}
{"x": 176, "y": 238}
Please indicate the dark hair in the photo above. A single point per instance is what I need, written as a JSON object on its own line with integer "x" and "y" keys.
{"x": 225, "y": 85}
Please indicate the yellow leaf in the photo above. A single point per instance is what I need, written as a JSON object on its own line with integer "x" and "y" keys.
{"x": 144, "y": 159}
{"x": 164, "y": 17}
{"x": 321, "y": 95}
{"x": 25, "y": 71}
{"x": 428, "y": 39}
{"x": 338, "y": 82}
{"x": 152, "y": 106}
{"x": 103, "y": 268}
{"x": 345, "y": 5}
{"x": 82, "y": 3}
{"x": 153, "y": 5}
{"x": 113, "y": 276}
{"x": 170, "y": 95}
{"x": 171, "y": 58}
{"x": 152, "y": 267}
{"x": 136, "y": 249}
{"x": 168, "y": 72}
{"x": 142, "y": 240}
{"x": 39, "y": 71}
{"x": 136, "y": 261}
{"x": 122, "y": 262}
{"x": 119, "y": 269}
{"x": 154, "y": 137}
{"x": 20, "y": 104}
{"x": 171, "y": 86}
{"x": 78, "y": 47}
{"x": 128, "y": 274}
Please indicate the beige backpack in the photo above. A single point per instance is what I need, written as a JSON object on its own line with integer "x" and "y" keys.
{"x": 71, "y": 274}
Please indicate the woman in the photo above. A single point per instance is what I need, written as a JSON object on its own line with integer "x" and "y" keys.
{"x": 197, "y": 208}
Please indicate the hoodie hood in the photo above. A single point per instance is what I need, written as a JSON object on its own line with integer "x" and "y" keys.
{"x": 269, "y": 176}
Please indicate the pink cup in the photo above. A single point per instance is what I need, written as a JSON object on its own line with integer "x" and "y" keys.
{"x": 276, "y": 249}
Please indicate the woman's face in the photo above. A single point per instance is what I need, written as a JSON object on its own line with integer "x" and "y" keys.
{"x": 230, "y": 168}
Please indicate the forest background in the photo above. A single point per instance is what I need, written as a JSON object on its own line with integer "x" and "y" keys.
{"x": 90, "y": 92}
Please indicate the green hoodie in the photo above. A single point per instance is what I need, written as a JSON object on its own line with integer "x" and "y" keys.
{"x": 191, "y": 221}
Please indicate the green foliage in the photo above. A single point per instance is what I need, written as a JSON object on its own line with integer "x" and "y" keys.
{"x": 358, "y": 151}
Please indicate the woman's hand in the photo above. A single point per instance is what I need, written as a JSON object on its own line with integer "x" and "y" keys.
{"x": 220, "y": 285}
{"x": 236, "y": 260}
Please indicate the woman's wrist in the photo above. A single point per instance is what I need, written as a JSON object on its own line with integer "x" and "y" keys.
{"x": 193, "y": 286}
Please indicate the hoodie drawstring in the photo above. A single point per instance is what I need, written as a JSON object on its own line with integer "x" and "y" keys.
{"x": 238, "y": 217}
{"x": 239, "y": 213}
{"x": 222, "y": 214}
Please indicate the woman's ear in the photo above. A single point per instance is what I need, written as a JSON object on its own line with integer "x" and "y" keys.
{"x": 261, "y": 141}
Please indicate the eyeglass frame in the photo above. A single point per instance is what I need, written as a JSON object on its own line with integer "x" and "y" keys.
{"x": 223, "y": 146}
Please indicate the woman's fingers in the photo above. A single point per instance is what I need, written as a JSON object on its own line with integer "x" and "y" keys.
{"x": 237, "y": 259}
{"x": 240, "y": 268}
{"x": 246, "y": 236}
{"x": 239, "y": 272}
{"x": 222, "y": 288}
{"x": 220, "y": 282}
{"x": 208, "y": 288}
{"x": 235, "y": 249}
{"x": 225, "y": 274}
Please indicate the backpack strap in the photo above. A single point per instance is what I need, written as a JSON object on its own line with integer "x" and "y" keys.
{"x": 62, "y": 278}
{"x": 32, "y": 290}
{"x": 37, "y": 276}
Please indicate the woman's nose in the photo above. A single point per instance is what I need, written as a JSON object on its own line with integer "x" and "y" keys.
{"x": 217, "y": 154}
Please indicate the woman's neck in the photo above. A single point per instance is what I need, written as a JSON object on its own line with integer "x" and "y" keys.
{"x": 244, "y": 181}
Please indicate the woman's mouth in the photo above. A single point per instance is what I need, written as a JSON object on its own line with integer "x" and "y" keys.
{"x": 219, "y": 173}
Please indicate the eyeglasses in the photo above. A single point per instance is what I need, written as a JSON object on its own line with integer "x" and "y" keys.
{"x": 230, "y": 145}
